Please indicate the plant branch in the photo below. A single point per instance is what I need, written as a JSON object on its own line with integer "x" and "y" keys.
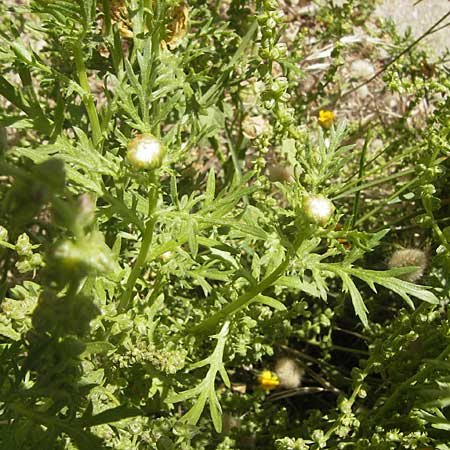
{"x": 87, "y": 97}
{"x": 137, "y": 268}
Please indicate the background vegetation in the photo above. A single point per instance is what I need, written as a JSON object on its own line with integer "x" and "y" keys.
{"x": 291, "y": 234}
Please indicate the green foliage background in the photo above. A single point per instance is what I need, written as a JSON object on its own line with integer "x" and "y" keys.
{"x": 137, "y": 305}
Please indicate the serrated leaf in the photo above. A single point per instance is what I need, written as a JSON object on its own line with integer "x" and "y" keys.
{"x": 109, "y": 416}
{"x": 210, "y": 186}
{"x": 250, "y": 230}
{"x": 358, "y": 303}
{"x": 215, "y": 410}
{"x": 185, "y": 395}
{"x": 224, "y": 375}
{"x": 9, "y": 332}
{"x": 400, "y": 287}
{"x": 192, "y": 238}
{"x": 206, "y": 389}
{"x": 440, "y": 423}
{"x": 193, "y": 415}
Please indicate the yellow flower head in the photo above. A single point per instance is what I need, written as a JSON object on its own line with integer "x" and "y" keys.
{"x": 326, "y": 118}
{"x": 268, "y": 380}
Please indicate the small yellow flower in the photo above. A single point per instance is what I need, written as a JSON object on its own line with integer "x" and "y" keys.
{"x": 326, "y": 118}
{"x": 268, "y": 380}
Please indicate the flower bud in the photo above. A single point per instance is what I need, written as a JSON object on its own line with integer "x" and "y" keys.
{"x": 318, "y": 209}
{"x": 23, "y": 245}
{"x": 146, "y": 152}
{"x": 3, "y": 234}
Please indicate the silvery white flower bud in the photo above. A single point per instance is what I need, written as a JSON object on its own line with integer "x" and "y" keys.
{"x": 146, "y": 152}
{"x": 318, "y": 209}
{"x": 289, "y": 373}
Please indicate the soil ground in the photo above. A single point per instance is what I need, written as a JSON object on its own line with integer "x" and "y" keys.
{"x": 419, "y": 16}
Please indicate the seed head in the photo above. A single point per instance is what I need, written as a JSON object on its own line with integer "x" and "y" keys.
{"x": 361, "y": 68}
{"x": 254, "y": 126}
{"x": 289, "y": 373}
{"x": 409, "y": 257}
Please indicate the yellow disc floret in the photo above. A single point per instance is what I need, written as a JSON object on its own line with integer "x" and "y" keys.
{"x": 268, "y": 380}
{"x": 326, "y": 118}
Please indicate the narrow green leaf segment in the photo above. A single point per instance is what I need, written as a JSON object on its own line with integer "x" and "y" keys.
{"x": 205, "y": 392}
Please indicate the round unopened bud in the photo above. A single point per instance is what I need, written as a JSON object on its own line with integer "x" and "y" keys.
{"x": 3, "y": 234}
{"x": 23, "y": 245}
{"x": 146, "y": 152}
{"x": 289, "y": 373}
{"x": 409, "y": 257}
{"x": 318, "y": 209}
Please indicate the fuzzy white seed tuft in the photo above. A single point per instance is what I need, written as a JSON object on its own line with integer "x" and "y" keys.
{"x": 289, "y": 373}
{"x": 409, "y": 257}
{"x": 362, "y": 69}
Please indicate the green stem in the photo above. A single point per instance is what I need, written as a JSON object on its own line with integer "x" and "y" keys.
{"x": 7, "y": 245}
{"x": 88, "y": 99}
{"x": 156, "y": 43}
{"x": 137, "y": 268}
{"x": 360, "y": 176}
{"x": 243, "y": 300}
{"x": 437, "y": 230}
{"x": 107, "y": 17}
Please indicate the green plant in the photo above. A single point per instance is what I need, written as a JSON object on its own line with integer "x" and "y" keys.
{"x": 149, "y": 265}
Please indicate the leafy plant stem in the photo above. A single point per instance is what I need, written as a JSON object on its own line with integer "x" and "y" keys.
{"x": 137, "y": 268}
{"x": 245, "y": 299}
{"x": 88, "y": 97}
{"x": 418, "y": 377}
